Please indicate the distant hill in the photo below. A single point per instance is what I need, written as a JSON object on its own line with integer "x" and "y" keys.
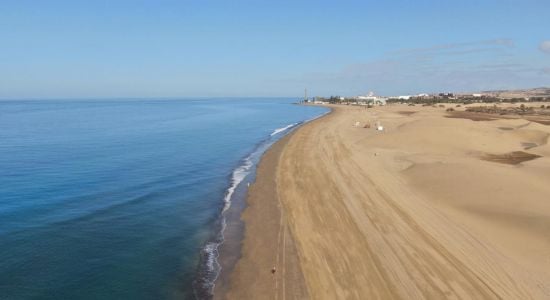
{"x": 520, "y": 93}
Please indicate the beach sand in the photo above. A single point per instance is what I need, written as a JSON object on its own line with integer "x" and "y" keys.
{"x": 430, "y": 208}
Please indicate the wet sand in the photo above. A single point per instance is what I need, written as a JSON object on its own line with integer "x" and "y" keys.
{"x": 267, "y": 243}
{"x": 413, "y": 212}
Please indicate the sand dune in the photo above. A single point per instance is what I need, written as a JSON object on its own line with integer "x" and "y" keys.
{"x": 414, "y": 212}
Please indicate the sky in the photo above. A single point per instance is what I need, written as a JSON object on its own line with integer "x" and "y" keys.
{"x": 112, "y": 49}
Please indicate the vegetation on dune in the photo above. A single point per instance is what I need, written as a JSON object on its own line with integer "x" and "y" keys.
{"x": 521, "y": 110}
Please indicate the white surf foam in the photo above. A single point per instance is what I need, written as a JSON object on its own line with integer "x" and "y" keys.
{"x": 212, "y": 267}
{"x": 211, "y": 253}
{"x": 279, "y": 130}
{"x": 237, "y": 177}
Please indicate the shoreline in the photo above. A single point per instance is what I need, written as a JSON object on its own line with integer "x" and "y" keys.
{"x": 220, "y": 254}
{"x": 266, "y": 241}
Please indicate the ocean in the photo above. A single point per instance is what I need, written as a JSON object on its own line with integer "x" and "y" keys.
{"x": 123, "y": 199}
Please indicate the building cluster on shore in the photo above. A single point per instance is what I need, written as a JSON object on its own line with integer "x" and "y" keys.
{"x": 370, "y": 99}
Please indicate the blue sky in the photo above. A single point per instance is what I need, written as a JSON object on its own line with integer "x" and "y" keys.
{"x": 96, "y": 49}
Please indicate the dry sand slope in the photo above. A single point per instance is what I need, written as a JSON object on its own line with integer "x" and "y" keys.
{"x": 415, "y": 212}
{"x": 431, "y": 208}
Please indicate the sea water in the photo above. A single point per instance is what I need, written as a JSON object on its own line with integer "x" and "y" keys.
{"x": 123, "y": 199}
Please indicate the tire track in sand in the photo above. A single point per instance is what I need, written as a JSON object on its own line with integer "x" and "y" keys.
{"x": 362, "y": 234}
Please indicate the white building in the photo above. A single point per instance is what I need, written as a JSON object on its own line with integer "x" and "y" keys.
{"x": 371, "y": 99}
{"x": 367, "y": 98}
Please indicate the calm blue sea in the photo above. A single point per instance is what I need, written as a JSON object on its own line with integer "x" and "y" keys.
{"x": 117, "y": 199}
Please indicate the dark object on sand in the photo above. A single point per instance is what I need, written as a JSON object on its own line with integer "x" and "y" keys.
{"x": 273, "y": 270}
{"x": 512, "y": 158}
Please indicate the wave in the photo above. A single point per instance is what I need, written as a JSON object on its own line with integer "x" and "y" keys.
{"x": 279, "y": 130}
{"x": 239, "y": 174}
{"x": 290, "y": 126}
{"x": 209, "y": 270}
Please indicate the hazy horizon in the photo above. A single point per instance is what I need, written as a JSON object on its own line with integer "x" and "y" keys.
{"x": 206, "y": 49}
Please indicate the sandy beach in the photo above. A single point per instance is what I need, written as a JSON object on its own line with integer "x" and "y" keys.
{"x": 430, "y": 208}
